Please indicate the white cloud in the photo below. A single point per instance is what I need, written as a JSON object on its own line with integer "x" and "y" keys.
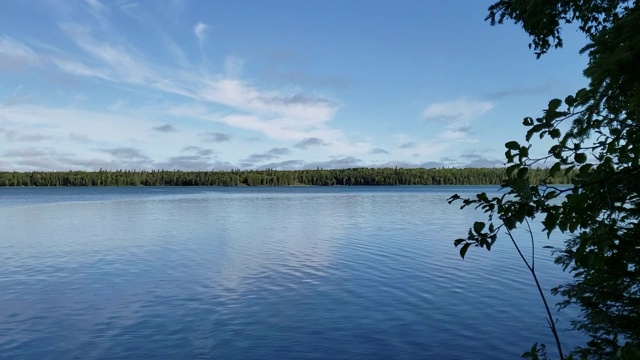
{"x": 311, "y": 141}
{"x": 457, "y": 115}
{"x": 14, "y": 55}
{"x": 60, "y": 122}
{"x": 95, "y": 5}
{"x": 233, "y": 67}
{"x": 463, "y": 109}
{"x": 277, "y": 114}
{"x": 453, "y": 135}
{"x": 456, "y": 131}
{"x": 378, "y": 151}
{"x": 287, "y": 115}
{"x": 424, "y": 149}
{"x": 79, "y": 69}
{"x": 214, "y": 137}
{"x": 200, "y": 31}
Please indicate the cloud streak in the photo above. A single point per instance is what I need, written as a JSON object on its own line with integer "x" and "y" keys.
{"x": 463, "y": 109}
{"x": 134, "y": 97}
{"x": 15, "y": 55}
{"x": 274, "y": 153}
{"x": 457, "y": 115}
{"x": 309, "y": 142}
{"x": 214, "y": 137}
{"x": 166, "y": 128}
{"x": 379, "y": 151}
{"x": 200, "y": 31}
{"x": 277, "y": 114}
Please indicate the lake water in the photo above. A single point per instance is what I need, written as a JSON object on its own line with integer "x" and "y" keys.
{"x": 260, "y": 273}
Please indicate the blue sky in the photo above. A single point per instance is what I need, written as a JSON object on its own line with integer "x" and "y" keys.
{"x": 283, "y": 84}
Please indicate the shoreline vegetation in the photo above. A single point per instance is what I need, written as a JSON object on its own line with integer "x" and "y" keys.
{"x": 318, "y": 177}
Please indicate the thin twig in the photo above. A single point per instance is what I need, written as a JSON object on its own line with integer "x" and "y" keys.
{"x": 544, "y": 299}
{"x": 533, "y": 247}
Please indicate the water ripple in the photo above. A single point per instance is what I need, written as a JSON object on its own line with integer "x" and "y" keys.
{"x": 254, "y": 274}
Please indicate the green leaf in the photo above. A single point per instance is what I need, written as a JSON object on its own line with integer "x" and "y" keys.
{"x": 512, "y": 145}
{"x": 563, "y": 226}
{"x": 554, "y": 104}
{"x": 582, "y": 93}
{"x": 483, "y": 197}
{"x": 550, "y": 222}
{"x": 555, "y": 169}
{"x": 463, "y": 249}
{"x": 570, "y": 100}
{"x": 522, "y": 173}
{"x": 555, "y": 133}
{"x": 580, "y": 158}
{"x": 532, "y": 353}
{"x": 511, "y": 169}
{"x": 509, "y": 156}
{"x": 568, "y": 170}
{"x": 584, "y": 169}
{"x": 521, "y": 213}
{"x": 556, "y": 151}
{"x": 478, "y": 226}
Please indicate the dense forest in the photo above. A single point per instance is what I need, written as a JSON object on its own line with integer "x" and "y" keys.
{"x": 319, "y": 177}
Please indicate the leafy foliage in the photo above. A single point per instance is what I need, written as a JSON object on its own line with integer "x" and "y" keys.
{"x": 596, "y": 134}
{"x": 345, "y": 177}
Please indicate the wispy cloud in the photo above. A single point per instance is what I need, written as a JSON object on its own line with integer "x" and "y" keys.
{"x": 233, "y": 67}
{"x": 408, "y": 145}
{"x": 194, "y": 163}
{"x": 214, "y": 137}
{"x": 166, "y": 128}
{"x": 274, "y": 153}
{"x": 277, "y": 114}
{"x": 175, "y": 94}
{"x": 129, "y": 9}
{"x": 95, "y": 6}
{"x": 15, "y": 55}
{"x": 338, "y": 163}
{"x": 257, "y": 158}
{"x": 379, "y": 151}
{"x": 310, "y": 141}
{"x": 25, "y": 152}
{"x": 279, "y": 151}
{"x": 15, "y": 98}
{"x": 115, "y": 63}
{"x": 456, "y": 131}
{"x": 198, "y": 151}
{"x": 283, "y": 165}
{"x": 482, "y": 162}
{"x": 520, "y": 91}
{"x": 463, "y": 109}
{"x": 18, "y": 135}
{"x": 200, "y": 31}
{"x": 457, "y": 115}
{"x": 125, "y": 153}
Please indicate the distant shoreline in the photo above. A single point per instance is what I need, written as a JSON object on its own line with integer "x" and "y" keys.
{"x": 318, "y": 177}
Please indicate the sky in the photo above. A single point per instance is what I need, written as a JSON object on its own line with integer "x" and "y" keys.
{"x": 279, "y": 84}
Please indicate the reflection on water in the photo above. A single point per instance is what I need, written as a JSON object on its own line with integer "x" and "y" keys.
{"x": 256, "y": 273}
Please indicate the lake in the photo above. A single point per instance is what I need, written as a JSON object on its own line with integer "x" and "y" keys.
{"x": 262, "y": 273}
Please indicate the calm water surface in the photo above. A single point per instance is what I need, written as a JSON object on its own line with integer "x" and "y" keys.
{"x": 259, "y": 273}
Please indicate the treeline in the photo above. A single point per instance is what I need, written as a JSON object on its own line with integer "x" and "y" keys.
{"x": 344, "y": 177}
